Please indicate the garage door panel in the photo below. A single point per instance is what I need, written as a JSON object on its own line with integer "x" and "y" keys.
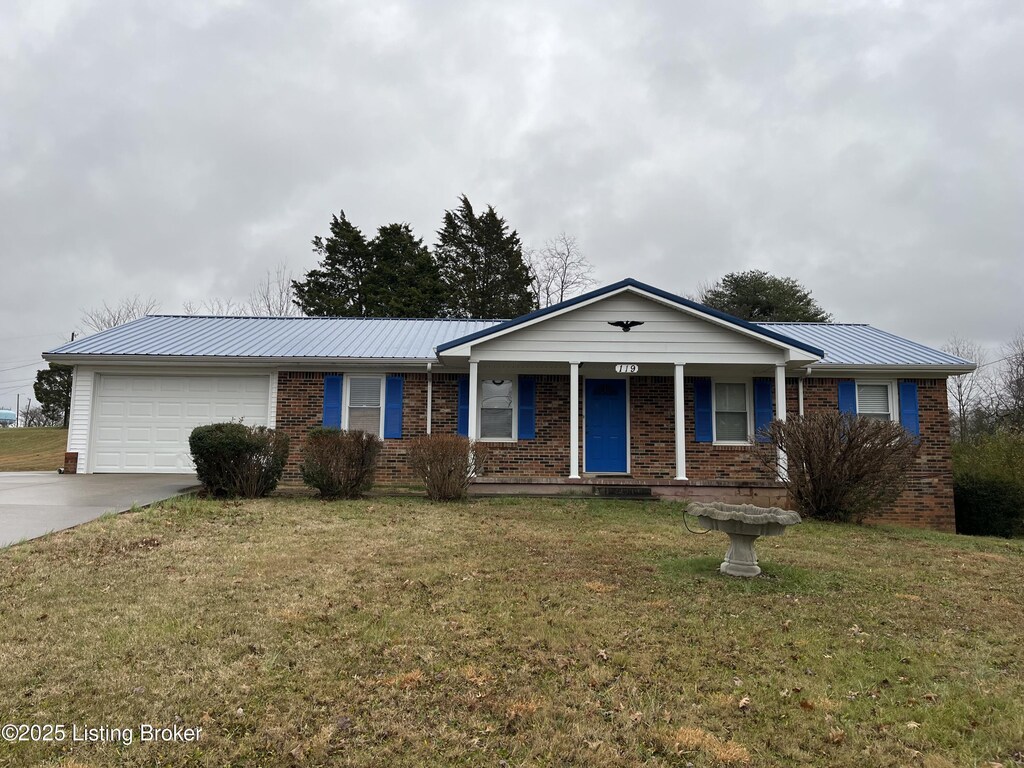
{"x": 140, "y": 408}
{"x": 169, "y": 409}
{"x": 138, "y": 435}
{"x": 142, "y": 423}
{"x": 168, "y": 435}
{"x": 113, "y": 408}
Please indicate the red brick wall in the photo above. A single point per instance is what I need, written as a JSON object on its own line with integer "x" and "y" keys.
{"x": 300, "y": 402}
{"x": 927, "y": 502}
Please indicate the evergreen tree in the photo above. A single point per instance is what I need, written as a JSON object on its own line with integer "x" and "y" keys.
{"x": 402, "y": 281}
{"x": 761, "y": 298}
{"x": 391, "y": 275}
{"x": 53, "y": 392}
{"x": 481, "y": 265}
{"x": 337, "y": 288}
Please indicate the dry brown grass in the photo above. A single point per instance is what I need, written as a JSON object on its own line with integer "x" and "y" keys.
{"x": 541, "y": 633}
{"x": 32, "y": 449}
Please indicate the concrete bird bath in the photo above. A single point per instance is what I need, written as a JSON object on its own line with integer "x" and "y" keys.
{"x": 744, "y": 523}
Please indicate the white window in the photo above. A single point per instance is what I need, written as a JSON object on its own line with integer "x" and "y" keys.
{"x": 365, "y": 396}
{"x": 731, "y": 414}
{"x": 874, "y": 400}
{"x": 497, "y": 414}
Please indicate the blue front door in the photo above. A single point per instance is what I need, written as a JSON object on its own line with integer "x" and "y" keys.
{"x": 605, "y": 436}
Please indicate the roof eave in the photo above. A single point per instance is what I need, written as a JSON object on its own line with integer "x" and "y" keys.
{"x": 302, "y": 362}
{"x": 926, "y": 371}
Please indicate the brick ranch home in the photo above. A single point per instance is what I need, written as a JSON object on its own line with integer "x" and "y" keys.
{"x": 575, "y": 397}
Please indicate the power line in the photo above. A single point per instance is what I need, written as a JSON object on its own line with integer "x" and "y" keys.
{"x": 33, "y": 336}
{"x": 26, "y": 365}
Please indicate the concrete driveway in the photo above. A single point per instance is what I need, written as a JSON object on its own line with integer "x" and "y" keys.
{"x": 35, "y": 503}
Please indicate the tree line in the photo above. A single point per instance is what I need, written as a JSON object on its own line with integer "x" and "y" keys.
{"x": 990, "y": 400}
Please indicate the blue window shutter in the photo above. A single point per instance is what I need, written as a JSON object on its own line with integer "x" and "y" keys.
{"x": 527, "y": 407}
{"x": 702, "y": 432}
{"x": 908, "y": 408}
{"x": 463, "y": 423}
{"x": 763, "y": 411}
{"x": 393, "y": 406}
{"x": 332, "y": 402}
{"x": 848, "y": 396}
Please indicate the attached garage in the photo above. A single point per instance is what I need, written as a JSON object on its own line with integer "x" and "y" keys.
{"x": 141, "y": 423}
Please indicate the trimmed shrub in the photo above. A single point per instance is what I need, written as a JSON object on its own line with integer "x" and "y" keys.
{"x": 446, "y": 464}
{"x": 987, "y": 506}
{"x": 988, "y": 485}
{"x": 233, "y": 459}
{"x": 840, "y": 467}
{"x": 340, "y": 464}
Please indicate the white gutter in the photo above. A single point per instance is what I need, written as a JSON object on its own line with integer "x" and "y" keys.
{"x": 926, "y": 371}
{"x": 318, "y": 363}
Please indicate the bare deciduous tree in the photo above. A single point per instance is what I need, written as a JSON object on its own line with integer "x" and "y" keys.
{"x": 1011, "y": 382}
{"x": 559, "y": 270}
{"x": 273, "y": 296}
{"x": 33, "y": 416}
{"x": 966, "y": 392}
{"x": 218, "y": 306}
{"x": 126, "y": 310}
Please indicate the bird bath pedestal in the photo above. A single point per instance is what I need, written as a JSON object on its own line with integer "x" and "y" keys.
{"x": 744, "y": 523}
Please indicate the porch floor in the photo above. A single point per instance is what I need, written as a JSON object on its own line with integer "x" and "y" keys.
{"x": 762, "y": 493}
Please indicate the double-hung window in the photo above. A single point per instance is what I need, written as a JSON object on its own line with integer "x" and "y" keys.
{"x": 731, "y": 419}
{"x": 496, "y": 411}
{"x": 365, "y": 396}
{"x": 874, "y": 400}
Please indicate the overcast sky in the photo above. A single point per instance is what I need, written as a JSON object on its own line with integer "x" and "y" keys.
{"x": 872, "y": 150}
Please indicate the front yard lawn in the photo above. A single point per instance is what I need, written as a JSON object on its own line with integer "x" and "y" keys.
{"x": 508, "y": 633}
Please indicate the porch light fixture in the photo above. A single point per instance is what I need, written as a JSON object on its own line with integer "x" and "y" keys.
{"x": 625, "y": 325}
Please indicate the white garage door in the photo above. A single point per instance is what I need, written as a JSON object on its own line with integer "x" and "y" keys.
{"x": 142, "y": 423}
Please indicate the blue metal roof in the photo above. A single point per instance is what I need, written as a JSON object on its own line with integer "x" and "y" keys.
{"x": 407, "y": 339}
{"x": 849, "y": 344}
{"x": 275, "y": 337}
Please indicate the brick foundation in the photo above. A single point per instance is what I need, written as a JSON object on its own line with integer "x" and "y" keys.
{"x": 927, "y": 502}
{"x": 71, "y": 463}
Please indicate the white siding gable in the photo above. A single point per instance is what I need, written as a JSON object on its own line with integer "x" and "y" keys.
{"x": 668, "y": 334}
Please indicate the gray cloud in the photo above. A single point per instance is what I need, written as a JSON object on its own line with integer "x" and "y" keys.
{"x": 874, "y": 151}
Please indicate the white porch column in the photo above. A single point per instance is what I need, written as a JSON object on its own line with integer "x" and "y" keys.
{"x": 680, "y": 424}
{"x": 473, "y": 387}
{"x": 574, "y": 421}
{"x": 780, "y": 409}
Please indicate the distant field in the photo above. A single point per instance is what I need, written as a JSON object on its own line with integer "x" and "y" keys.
{"x": 32, "y": 448}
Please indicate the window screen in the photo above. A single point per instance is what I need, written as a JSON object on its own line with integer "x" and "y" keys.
{"x": 873, "y": 401}
{"x": 496, "y": 408}
{"x": 731, "y": 412}
{"x": 364, "y": 404}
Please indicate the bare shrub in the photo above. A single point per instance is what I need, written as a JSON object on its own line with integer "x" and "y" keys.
{"x": 338, "y": 463}
{"x": 840, "y": 467}
{"x": 446, "y": 464}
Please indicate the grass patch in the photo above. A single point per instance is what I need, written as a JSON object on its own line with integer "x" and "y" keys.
{"x": 30, "y": 449}
{"x": 535, "y": 632}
